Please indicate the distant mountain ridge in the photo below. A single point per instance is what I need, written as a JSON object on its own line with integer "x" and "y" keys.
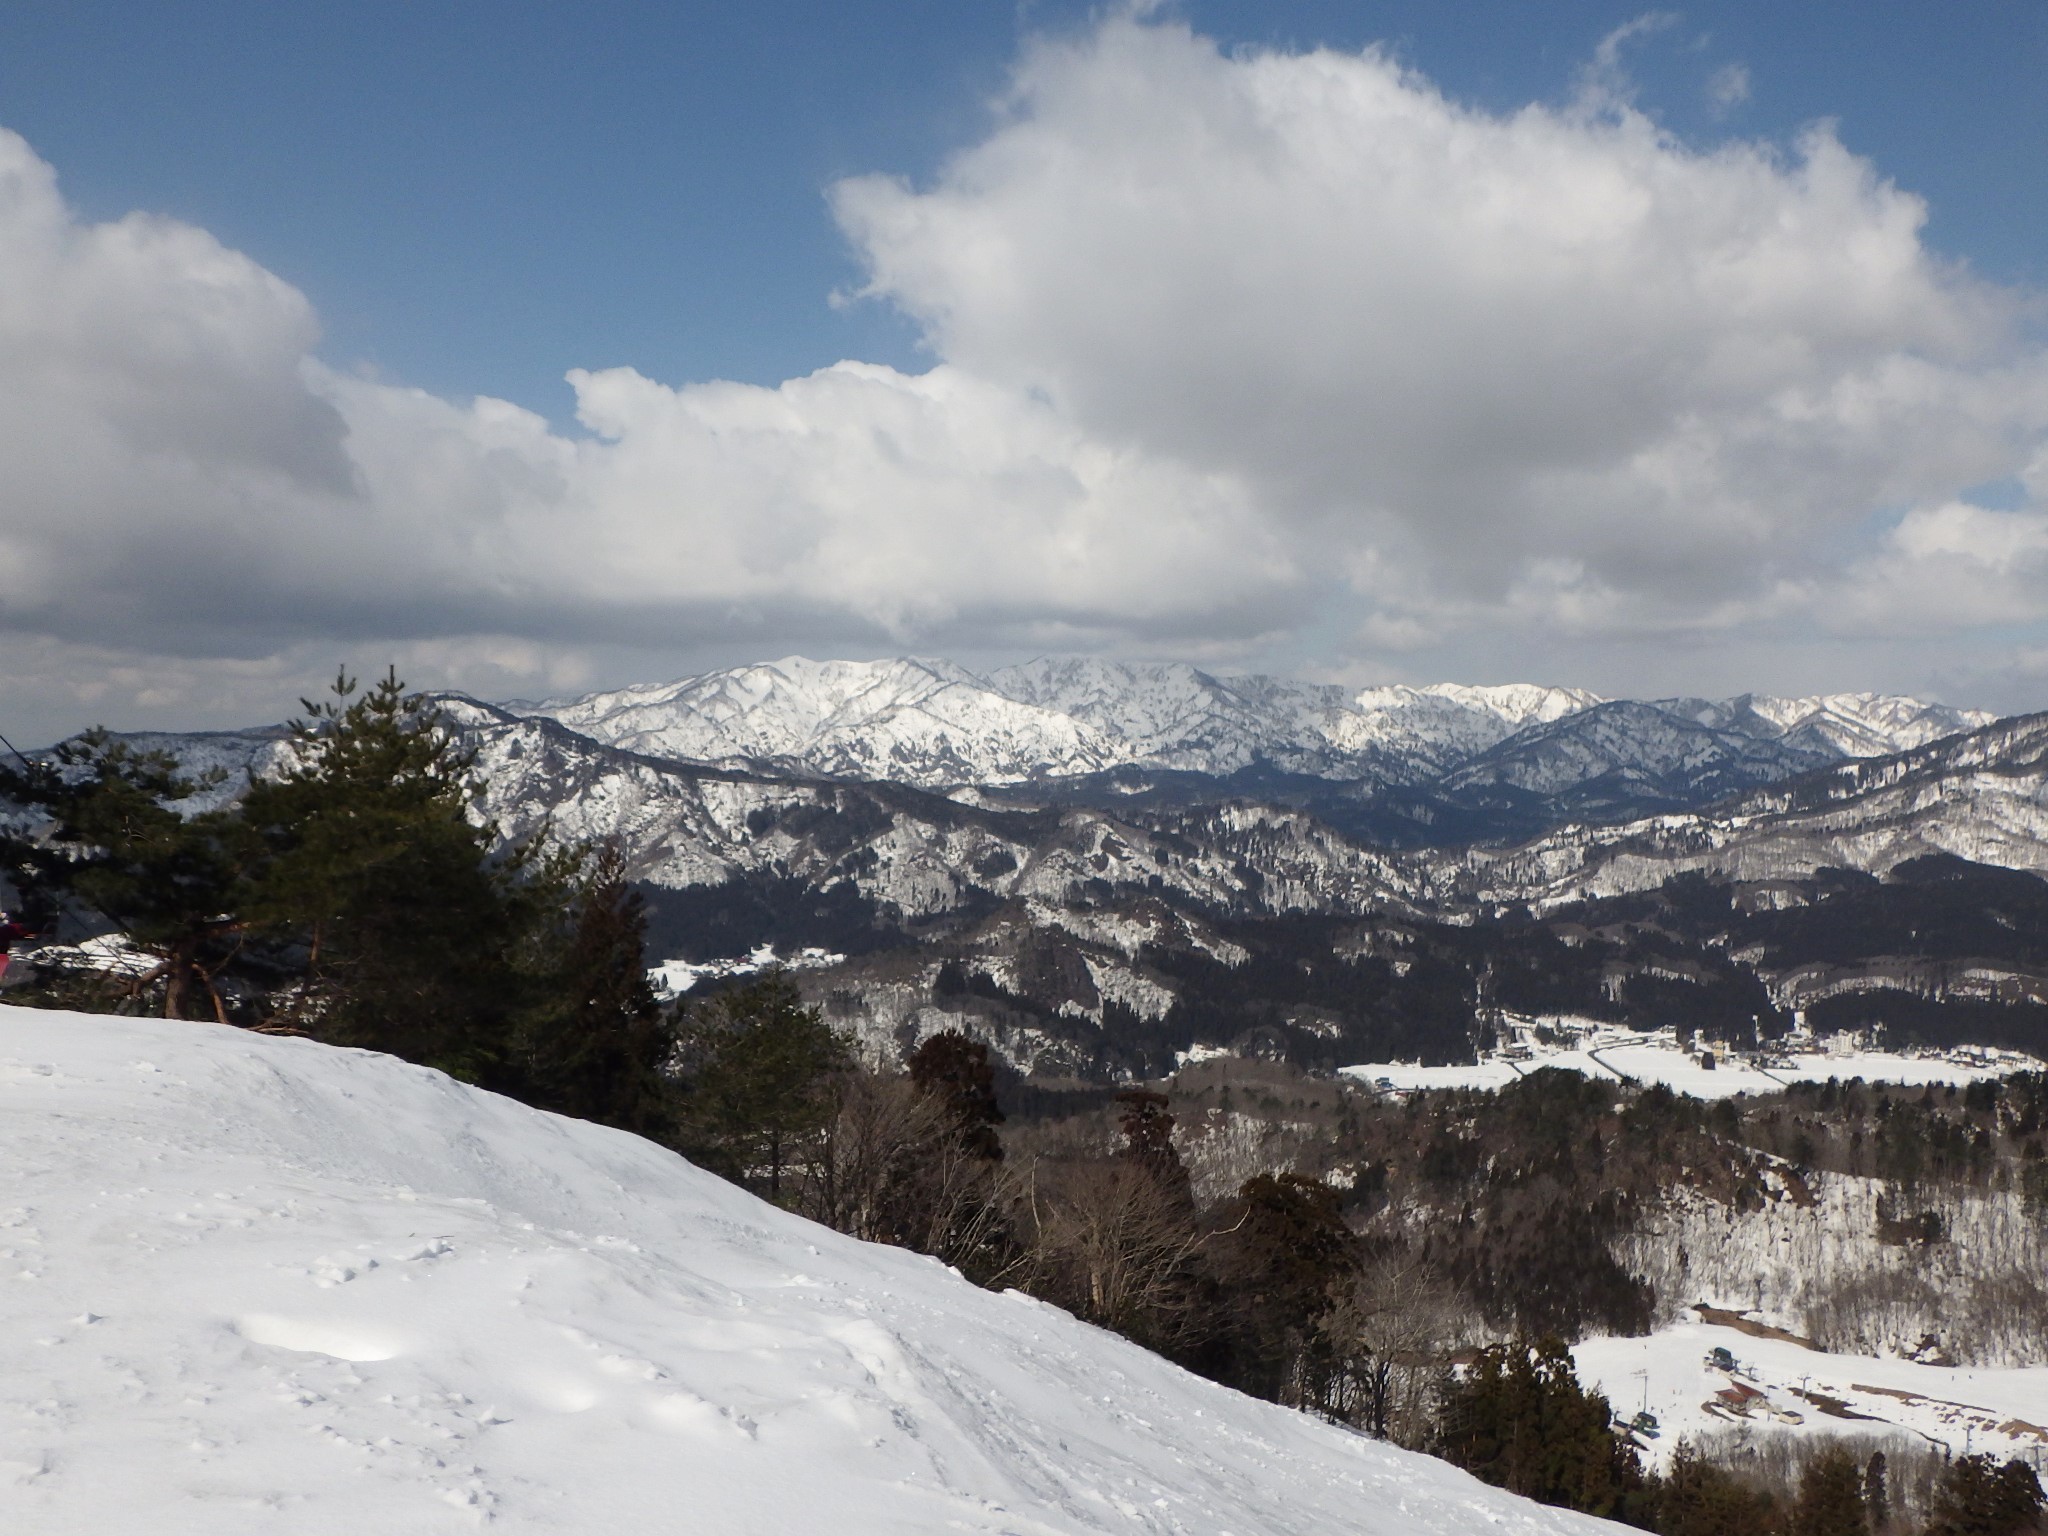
{"x": 1105, "y": 913}
{"x": 1981, "y": 796}
{"x": 920, "y": 788}
{"x": 936, "y": 725}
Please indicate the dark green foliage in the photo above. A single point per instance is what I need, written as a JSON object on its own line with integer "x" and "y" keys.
{"x": 593, "y": 1043}
{"x": 408, "y": 923}
{"x": 1909, "y": 1137}
{"x": 1697, "y": 1498}
{"x": 1536, "y": 972}
{"x": 1977, "y": 1497}
{"x": 1535, "y": 1182}
{"x": 1939, "y": 907}
{"x": 2034, "y": 1186}
{"x": 1297, "y": 968}
{"x": 1830, "y": 1498}
{"x": 124, "y": 848}
{"x": 1283, "y": 1253}
{"x": 757, "y": 1072}
{"x": 1520, "y": 1420}
{"x": 956, "y": 1071}
{"x": 1322, "y": 991}
{"x": 1735, "y": 1006}
{"x": 703, "y": 922}
{"x": 1877, "y": 1495}
{"x": 356, "y": 897}
{"x": 1148, "y": 1141}
{"x": 1910, "y": 1018}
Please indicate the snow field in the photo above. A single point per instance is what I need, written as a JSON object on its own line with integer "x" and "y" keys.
{"x": 2003, "y": 1412}
{"x": 257, "y": 1285}
{"x": 1646, "y": 1058}
{"x": 672, "y": 978}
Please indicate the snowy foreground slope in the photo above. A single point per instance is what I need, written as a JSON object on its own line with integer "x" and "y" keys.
{"x": 257, "y": 1285}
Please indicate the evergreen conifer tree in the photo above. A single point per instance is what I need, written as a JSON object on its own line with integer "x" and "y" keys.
{"x": 1698, "y": 1498}
{"x": 1978, "y": 1498}
{"x": 592, "y": 1043}
{"x": 407, "y": 921}
{"x": 1830, "y": 1498}
{"x": 1284, "y": 1256}
{"x": 126, "y": 845}
{"x": 956, "y": 1071}
{"x": 1147, "y": 1130}
{"x": 758, "y": 1070}
{"x": 1877, "y": 1495}
{"x": 1521, "y": 1421}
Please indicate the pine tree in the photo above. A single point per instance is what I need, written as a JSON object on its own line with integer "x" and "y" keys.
{"x": 1830, "y": 1498}
{"x": 757, "y": 1078}
{"x": 127, "y": 845}
{"x": 593, "y": 1043}
{"x": 1976, "y": 1498}
{"x": 1698, "y": 1498}
{"x": 956, "y": 1071}
{"x": 1148, "y": 1141}
{"x": 406, "y": 919}
{"x": 1521, "y": 1421}
{"x": 1877, "y": 1496}
{"x": 1284, "y": 1256}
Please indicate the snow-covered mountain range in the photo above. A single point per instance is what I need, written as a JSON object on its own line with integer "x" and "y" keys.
{"x": 1074, "y": 889}
{"x": 1981, "y": 796}
{"x": 262, "y": 1285}
{"x": 750, "y": 776}
{"x": 935, "y": 724}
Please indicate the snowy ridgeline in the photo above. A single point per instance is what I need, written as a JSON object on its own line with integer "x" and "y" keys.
{"x": 257, "y": 1285}
{"x": 1978, "y": 1298}
{"x": 933, "y": 722}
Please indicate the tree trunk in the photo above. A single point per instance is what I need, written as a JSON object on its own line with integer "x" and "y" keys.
{"x": 178, "y": 972}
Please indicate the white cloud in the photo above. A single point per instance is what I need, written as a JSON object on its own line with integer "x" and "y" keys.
{"x": 1476, "y": 345}
{"x": 184, "y": 481}
{"x": 1238, "y": 353}
{"x": 1947, "y": 568}
{"x": 1605, "y": 81}
{"x": 1728, "y": 87}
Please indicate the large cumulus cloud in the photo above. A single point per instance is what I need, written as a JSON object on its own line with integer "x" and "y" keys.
{"x": 1261, "y": 356}
{"x": 1554, "y": 352}
{"x": 182, "y": 484}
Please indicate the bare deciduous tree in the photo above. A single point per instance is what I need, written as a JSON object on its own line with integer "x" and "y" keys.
{"x": 1393, "y": 1331}
{"x": 893, "y": 1168}
{"x": 1109, "y": 1242}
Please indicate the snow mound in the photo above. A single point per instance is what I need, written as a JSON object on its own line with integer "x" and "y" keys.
{"x": 255, "y": 1285}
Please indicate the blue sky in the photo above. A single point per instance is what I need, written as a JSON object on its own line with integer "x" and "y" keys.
{"x": 481, "y": 196}
{"x": 472, "y": 200}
